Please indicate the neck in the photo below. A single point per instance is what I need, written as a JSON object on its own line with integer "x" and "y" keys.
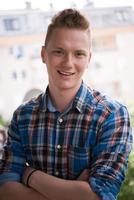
{"x": 62, "y": 98}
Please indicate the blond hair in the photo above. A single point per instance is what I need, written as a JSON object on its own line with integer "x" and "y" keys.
{"x": 68, "y": 18}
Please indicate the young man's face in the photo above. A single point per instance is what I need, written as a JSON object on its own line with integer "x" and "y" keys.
{"x": 66, "y": 55}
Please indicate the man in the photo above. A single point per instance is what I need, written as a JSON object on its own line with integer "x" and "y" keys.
{"x": 74, "y": 141}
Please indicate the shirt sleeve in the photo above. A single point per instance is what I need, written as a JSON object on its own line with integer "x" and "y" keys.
{"x": 110, "y": 154}
{"x": 13, "y": 159}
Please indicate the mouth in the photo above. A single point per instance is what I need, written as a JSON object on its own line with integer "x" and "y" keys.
{"x": 65, "y": 73}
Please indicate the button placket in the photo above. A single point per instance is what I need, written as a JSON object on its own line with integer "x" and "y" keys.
{"x": 60, "y": 120}
{"x": 57, "y": 173}
{"x": 58, "y": 146}
{"x": 59, "y": 143}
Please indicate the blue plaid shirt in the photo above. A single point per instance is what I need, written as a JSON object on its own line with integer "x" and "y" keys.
{"x": 94, "y": 132}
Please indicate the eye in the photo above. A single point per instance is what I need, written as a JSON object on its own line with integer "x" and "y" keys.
{"x": 58, "y": 52}
{"x": 80, "y": 54}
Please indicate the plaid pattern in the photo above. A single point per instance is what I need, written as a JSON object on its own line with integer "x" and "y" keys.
{"x": 94, "y": 133}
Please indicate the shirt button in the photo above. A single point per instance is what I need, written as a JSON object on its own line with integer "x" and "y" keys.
{"x": 58, "y": 146}
{"x": 57, "y": 173}
{"x": 60, "y": 120}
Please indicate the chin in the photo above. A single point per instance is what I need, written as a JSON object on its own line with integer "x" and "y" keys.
{"x": 67, "y": 86}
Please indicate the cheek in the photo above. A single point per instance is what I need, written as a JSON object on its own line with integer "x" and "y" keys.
{"x": 54, "y": 61}
{"x": 82, "y": 67}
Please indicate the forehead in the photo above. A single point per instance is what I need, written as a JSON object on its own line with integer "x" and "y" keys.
{"x": 69, "y": 36}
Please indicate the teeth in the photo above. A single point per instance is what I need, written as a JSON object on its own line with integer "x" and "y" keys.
{"x": 66, "y": 73}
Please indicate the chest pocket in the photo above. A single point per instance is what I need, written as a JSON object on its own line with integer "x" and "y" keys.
{"x": 78, "y": 160}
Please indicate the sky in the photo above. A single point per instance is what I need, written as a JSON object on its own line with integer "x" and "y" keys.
{"x": 61, "y": 4}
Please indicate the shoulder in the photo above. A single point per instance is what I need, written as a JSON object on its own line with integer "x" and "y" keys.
{"x": 27, "y": 108}
{"x": 103, "y": 101}
{"x": 104, "y": 105}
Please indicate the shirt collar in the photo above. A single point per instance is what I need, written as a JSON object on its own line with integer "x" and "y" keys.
{"x": 52, "y": 108}
{"x": 43, "y": 101}
{"x": 50, "y": 105}
{"x": 46, "y": 102}
{"x": 80, "y": 100}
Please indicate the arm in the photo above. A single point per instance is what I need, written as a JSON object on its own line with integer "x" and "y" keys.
{"x": 13, "y": 159}
{"x": 59, "y": 189}
{"x": 11, "y": 168}
{"x": 111, "y": 154}
{"x": 15, "y": 190}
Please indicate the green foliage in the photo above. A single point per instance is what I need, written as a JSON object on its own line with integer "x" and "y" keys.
{"x": 127, "y": 190}
{"x": 1, "y": 121}
{"x": 132, "y": 120}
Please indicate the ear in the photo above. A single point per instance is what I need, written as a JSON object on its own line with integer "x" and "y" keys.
{"x": 90, "y": 54}
{"x": 89, "y": 58}
{"x": 43, "y": 54}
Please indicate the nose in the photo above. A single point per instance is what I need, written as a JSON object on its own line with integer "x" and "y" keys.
{"x": 68, "y": 60}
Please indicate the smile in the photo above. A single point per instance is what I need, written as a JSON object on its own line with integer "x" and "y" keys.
{"x": 65, "y": 73}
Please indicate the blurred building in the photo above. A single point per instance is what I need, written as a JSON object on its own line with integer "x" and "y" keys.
{"x": 22, "y": 33}
{"x": 111, "y": 69}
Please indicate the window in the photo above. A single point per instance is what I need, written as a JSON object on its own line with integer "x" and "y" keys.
{"x": 123, "y": 16}
{"x": 19, "y": 51}
{"x": 19, "y": 75}
{"x": 14, "y": 75}
{"x": 16, "y": 51}
{"x": 12, "y": 24}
